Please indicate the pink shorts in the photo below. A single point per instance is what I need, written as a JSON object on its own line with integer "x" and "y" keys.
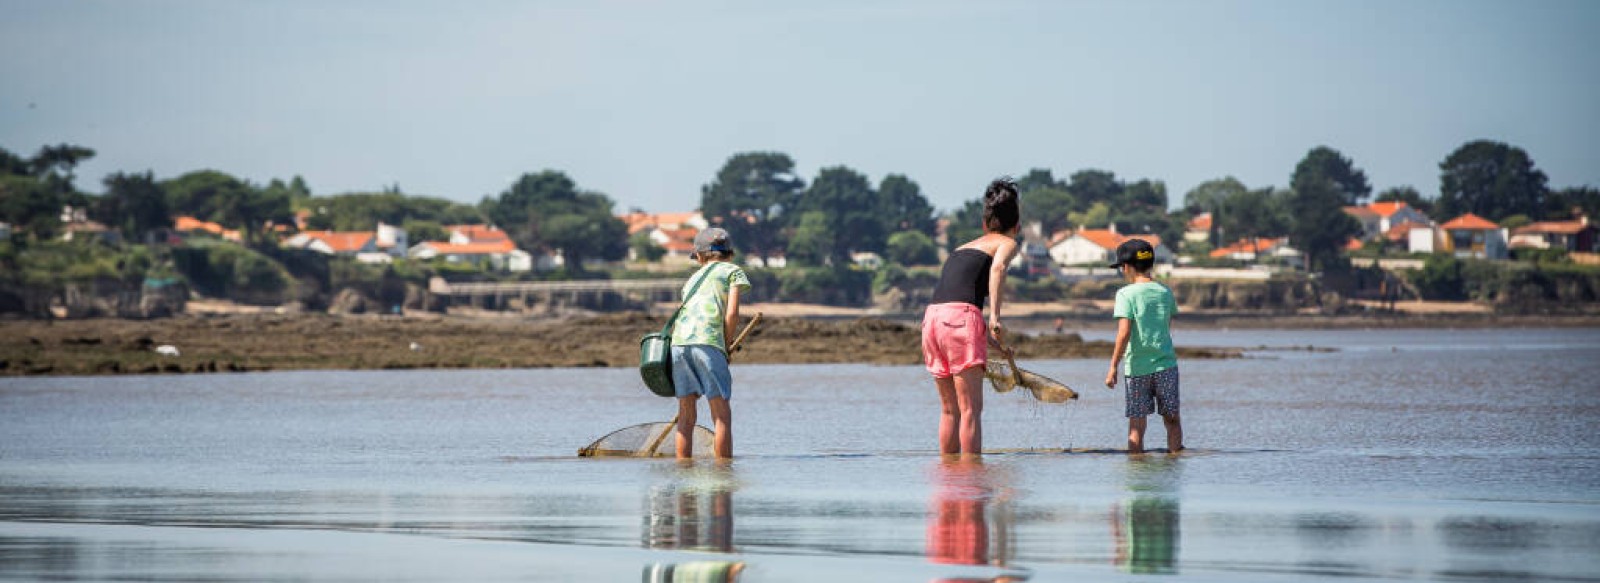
{"x": 953, "y": 338}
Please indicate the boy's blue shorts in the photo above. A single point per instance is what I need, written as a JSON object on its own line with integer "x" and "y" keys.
{"x": 699, "y": 369}
{"x": 1155, "y": 392}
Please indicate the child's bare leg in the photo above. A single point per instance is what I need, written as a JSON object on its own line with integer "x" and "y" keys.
{"x": 1174, "y": 432}
{"x": 686, "y": 422}
{"x": 722, "y": 417}
{"x": 969, "y": 399}
{"x": 949, "y": 415}
{"x": 1136, "y": 435}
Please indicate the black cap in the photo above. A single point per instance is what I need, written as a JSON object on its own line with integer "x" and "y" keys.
{"x": 1135, "y": 252}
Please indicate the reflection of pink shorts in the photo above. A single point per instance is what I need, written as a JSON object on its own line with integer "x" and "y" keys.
{"x": 953, "y": 338}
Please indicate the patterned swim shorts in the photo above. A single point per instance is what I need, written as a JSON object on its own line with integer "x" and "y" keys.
{"x": 1154, "y": 392}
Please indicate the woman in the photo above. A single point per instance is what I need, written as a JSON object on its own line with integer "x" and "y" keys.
{"x": 954, "y": 342}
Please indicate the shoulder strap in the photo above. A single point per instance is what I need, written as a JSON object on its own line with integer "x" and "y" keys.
{"x": 704, "y": 273}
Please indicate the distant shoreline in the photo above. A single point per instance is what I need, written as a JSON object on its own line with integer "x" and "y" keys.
{"x": 234, "y": 342}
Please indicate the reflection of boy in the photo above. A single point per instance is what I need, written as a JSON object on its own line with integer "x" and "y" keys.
{"x": 1146, "y": 535}
{"x": 1144, "y": 312}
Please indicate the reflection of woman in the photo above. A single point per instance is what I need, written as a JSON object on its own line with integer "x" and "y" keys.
{"x": 958, "y": 529}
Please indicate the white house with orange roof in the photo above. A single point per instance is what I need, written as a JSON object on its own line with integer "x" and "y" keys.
{"x": 673, "y": 232}
{"x": 382, "y": 245}
{"x": 187, "y": 225}
{"x": 1379, "y": 218}
{"x": 1199, "y": 229}
{"x": 1574, "y": 235}
{"x": 1261, "y": 248}
{"x": 483, "y": 245}
{"x": 1468, "y": 235}
{"x": 1098, "y": 246}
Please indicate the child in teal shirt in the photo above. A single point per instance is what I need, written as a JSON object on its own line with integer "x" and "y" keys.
{"x": 1144, "y": 312}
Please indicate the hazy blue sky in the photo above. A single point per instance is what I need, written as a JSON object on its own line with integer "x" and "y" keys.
{"x": 645, "y": 100}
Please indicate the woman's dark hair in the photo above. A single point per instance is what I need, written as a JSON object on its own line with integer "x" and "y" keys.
{"x": 1000, "y": 206}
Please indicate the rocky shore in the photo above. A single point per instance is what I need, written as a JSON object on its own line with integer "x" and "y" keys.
{"x": 252, "y": 342}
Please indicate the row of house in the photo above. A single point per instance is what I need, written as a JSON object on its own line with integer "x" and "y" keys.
{"x": 1397, "y": 223}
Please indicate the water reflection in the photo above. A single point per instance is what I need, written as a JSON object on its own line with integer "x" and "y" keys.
{"x": 1144, "y": 527}
{"x": 971, "y": 522}
{"x": 692, "y": 509}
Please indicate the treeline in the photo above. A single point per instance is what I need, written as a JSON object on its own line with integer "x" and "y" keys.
{"x": 817, "y": 224}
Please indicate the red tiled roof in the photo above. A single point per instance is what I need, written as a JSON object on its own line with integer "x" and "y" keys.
{"x": 187, "y": 224}
{"x": 1401, "y": 231}
{"x": 1360, "y": 211}
{"x": 479, "y": 233}
{"x": 1262, "y": 244}
{"x": 1353, "y": 244}
{"x": 1553, "y": 228}
{"x": 1109, "y": 240}
{"x": 1201, "y": 222}
{"x": 1469, "y": 222}
{"x": 473, "y": 248}
{"x": 343, "y": 241}
{"x": 1385, "y": 209}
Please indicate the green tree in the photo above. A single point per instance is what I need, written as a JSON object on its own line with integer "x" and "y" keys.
{"x": 1324, "y": 182}
{"x": 1091, "y": 186}
{"x": 1097, "y": 216}
{"x": 29, "y": 205}
{"x": 418, "y": 231}
{"x": 1251, "y": 215}
{"x": 1051, "y": 206}
{"x": 965, "y": 224}
{"x": 547, "y": 211}
{"x": 645, "y": 249}
{"x": 1211, "y": 195}
{"x": 1492, "y": 180}
{"x": 1038, "y": 178}
{"x": 846, "y": 199}
{"x": 134, "y": 203}
{"x": 1148, "y": 195}
{"x": 902, "y": 205}
{"x": 1567, "y": 203}
{"x": 813, "y": 242}
{"x": 912, "y": 248}
{"x": 750, "y": 198}
{"x": 361, "y": 211}
{"x": 1407, "y": 195}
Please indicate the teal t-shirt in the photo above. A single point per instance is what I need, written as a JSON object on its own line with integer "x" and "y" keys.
{"x": 703, "y": 315}
{"x": 1150, "y": 306}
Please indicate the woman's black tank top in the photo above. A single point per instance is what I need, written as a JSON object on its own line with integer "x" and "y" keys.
{"x": 965, "y": 277}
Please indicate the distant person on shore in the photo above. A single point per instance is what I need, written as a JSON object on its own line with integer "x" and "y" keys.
{"x": 699, "y": 341}
{"x": 1144, "y": 312}
{"x": 954, "y": 338}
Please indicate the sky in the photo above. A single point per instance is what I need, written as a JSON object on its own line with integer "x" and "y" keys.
{"x": 645, "y": 101}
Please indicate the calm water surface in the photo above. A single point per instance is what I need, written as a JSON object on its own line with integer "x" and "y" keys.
{"x": 1402, "y": 455}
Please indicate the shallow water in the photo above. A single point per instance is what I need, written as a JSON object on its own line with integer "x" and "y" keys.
{"x": 1403, "y": 455}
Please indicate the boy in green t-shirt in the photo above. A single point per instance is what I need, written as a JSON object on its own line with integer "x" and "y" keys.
{"x": 1144, "y": 312}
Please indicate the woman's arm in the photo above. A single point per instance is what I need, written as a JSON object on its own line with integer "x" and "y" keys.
{"x": 997, "y": 283}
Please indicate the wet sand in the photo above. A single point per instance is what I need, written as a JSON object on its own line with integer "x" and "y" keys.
{"x": 254, "y": 342}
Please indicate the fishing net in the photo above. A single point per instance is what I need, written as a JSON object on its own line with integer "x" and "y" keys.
{"x": 635, "y": 441}
{"x": 1043, "y": 388}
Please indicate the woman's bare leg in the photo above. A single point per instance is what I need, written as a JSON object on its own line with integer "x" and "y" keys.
{"x": 969, "y": 400}
{"x": 949, "y": 416}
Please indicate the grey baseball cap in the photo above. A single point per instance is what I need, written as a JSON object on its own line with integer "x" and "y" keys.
{"x": 712, "y": 239}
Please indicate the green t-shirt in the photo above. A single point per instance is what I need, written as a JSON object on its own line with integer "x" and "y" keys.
{"x": 703, "y": 315}
{"x": 1150, "y": 306}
